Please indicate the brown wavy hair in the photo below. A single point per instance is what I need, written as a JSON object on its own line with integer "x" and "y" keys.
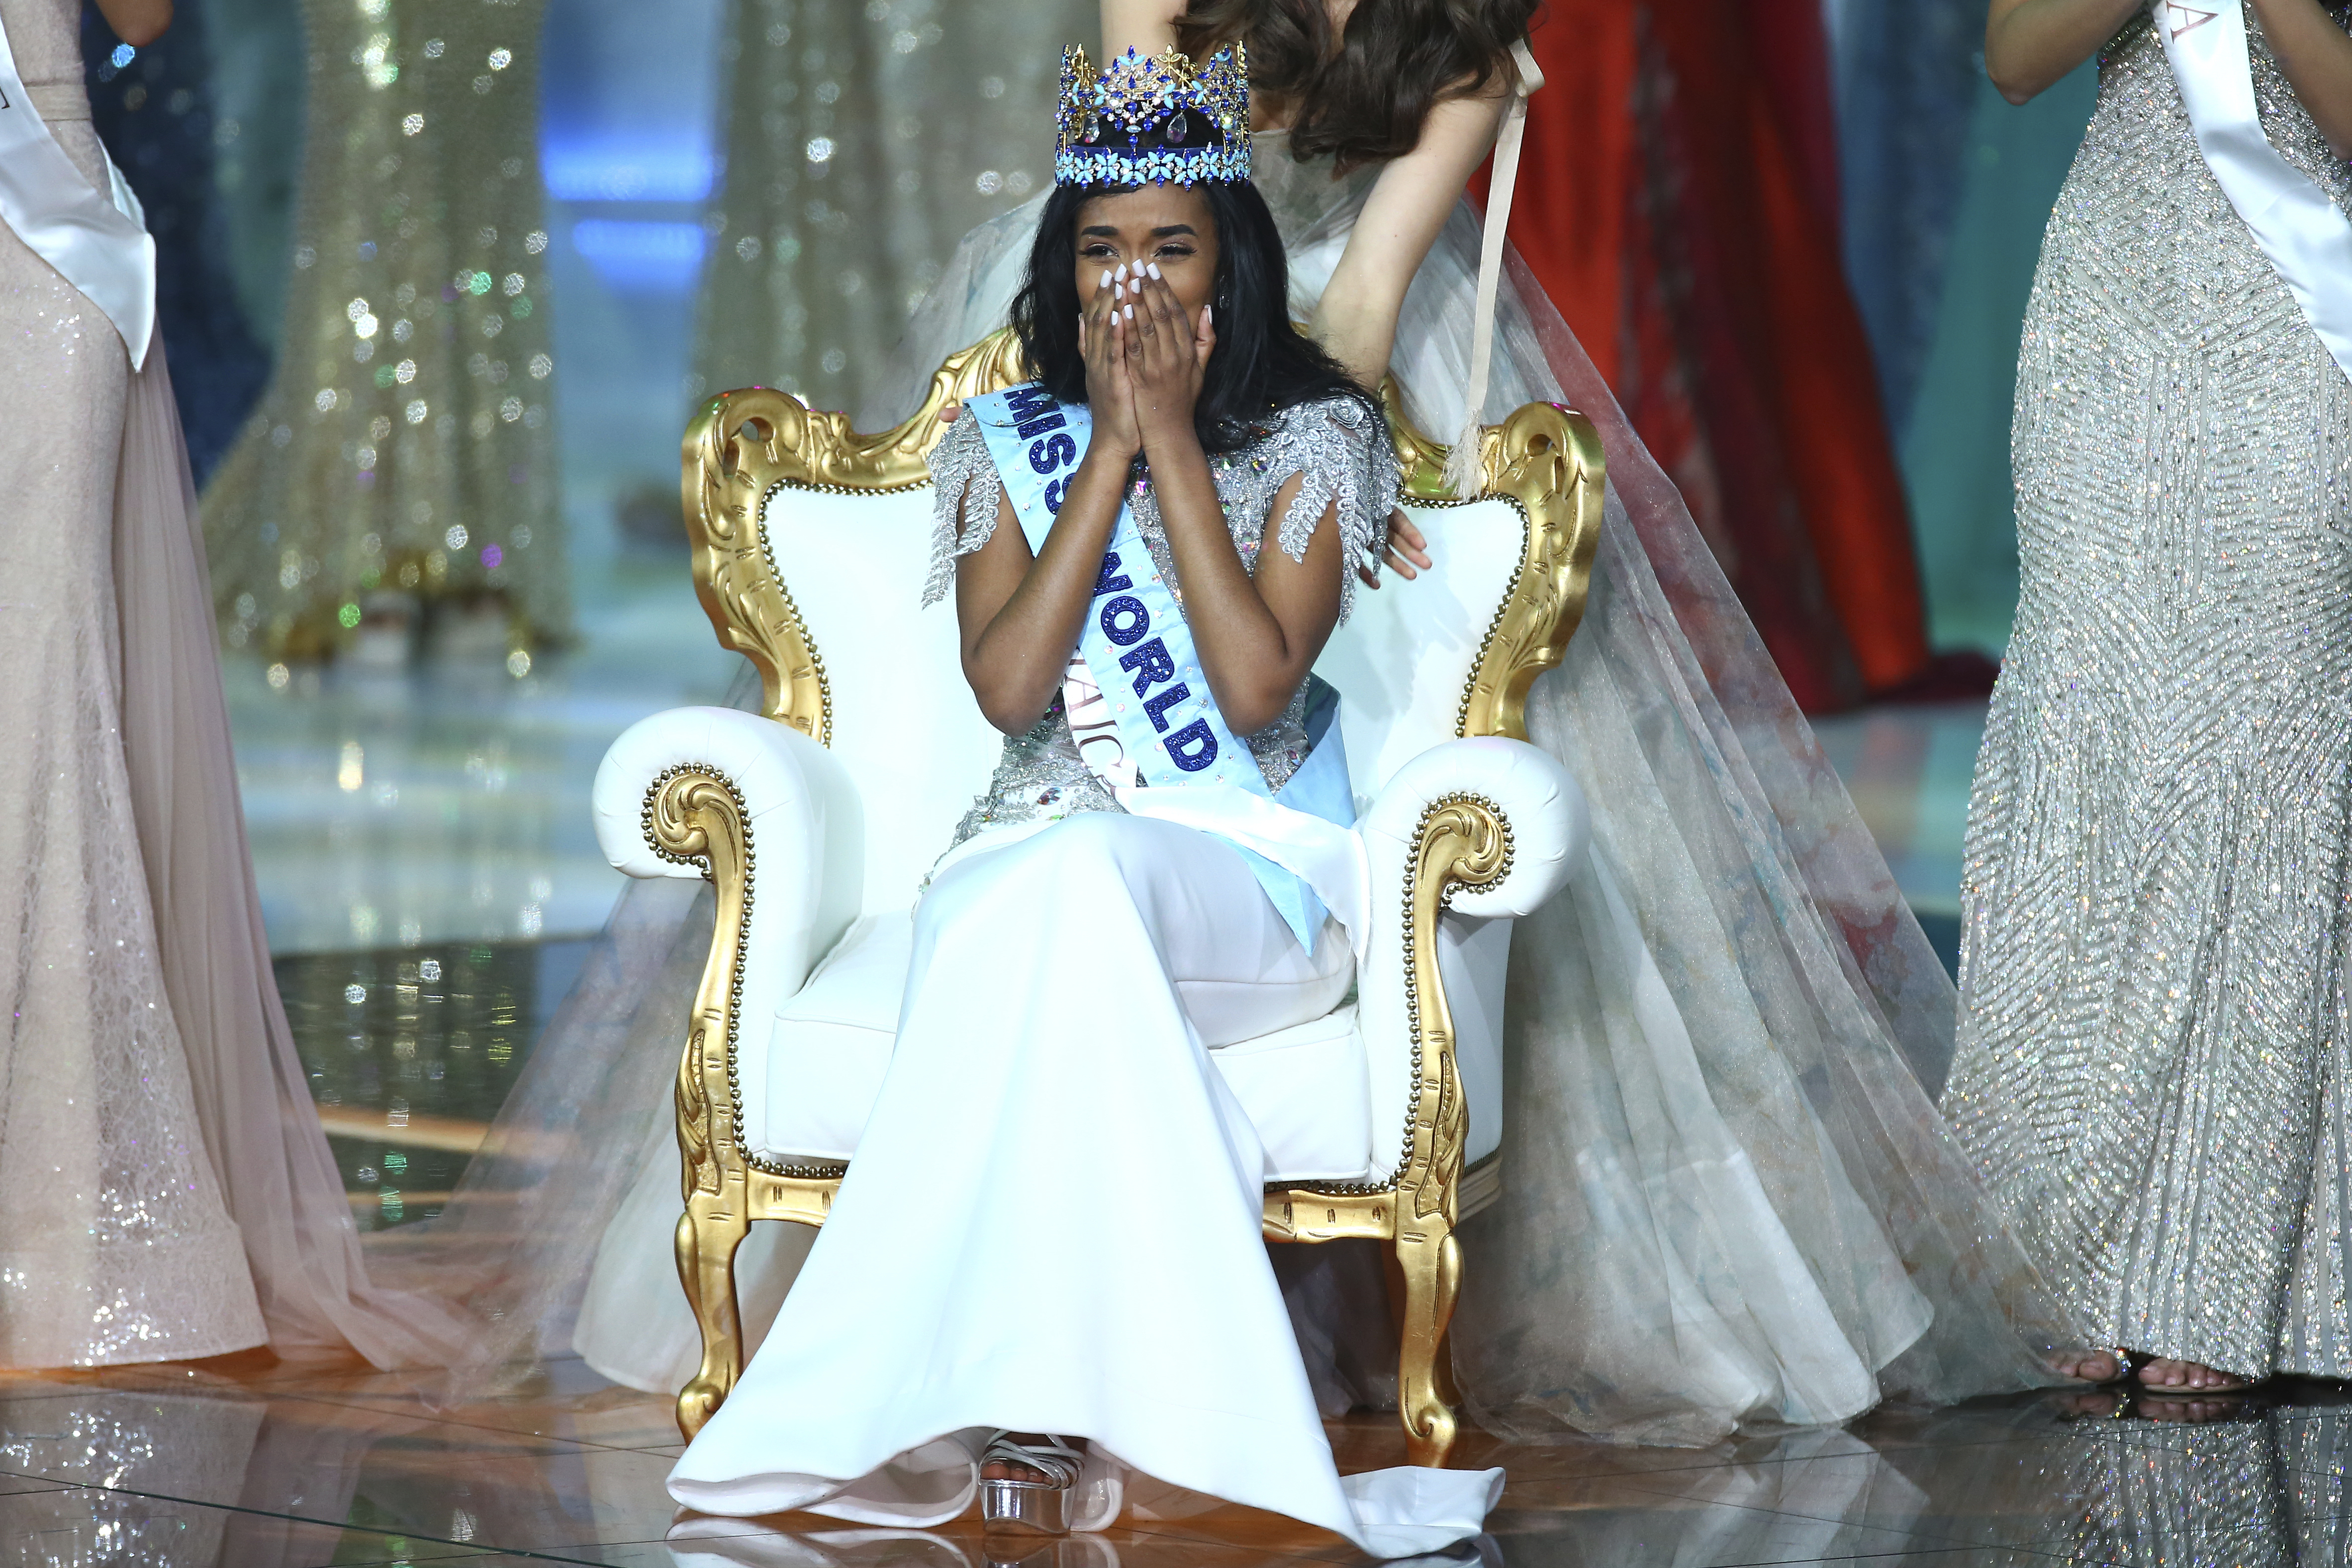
{"x": 1362, "y": 96}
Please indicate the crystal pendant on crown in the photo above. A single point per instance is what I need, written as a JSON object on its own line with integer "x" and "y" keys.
{"x": 1153, "y": 119}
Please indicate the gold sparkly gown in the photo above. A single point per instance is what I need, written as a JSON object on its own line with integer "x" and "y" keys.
{"x": 406, "y": 442}
{"x": 2152, "y": 1055}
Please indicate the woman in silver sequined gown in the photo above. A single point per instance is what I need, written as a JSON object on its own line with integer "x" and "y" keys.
{"x": 2151, "y": 1061}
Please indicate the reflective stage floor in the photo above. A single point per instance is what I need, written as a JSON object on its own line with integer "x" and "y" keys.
{"x": 432, "y": 888}
{"x": 244, "y": 1464}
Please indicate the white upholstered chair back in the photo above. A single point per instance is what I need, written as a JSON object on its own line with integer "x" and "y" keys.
{"x": 903, "y": 725}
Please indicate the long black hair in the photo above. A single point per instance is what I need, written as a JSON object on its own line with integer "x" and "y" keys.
{"x": 1262, "y": 363}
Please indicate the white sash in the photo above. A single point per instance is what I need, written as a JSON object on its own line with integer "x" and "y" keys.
{"x": 98, "y": 242}
{"x": 2304, "y": 233}
{"x": 1462, "y": 462}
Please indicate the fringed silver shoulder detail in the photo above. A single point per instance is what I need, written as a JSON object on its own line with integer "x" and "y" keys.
{"x": 1342, "y": 456}
{"x": 962, "y": 472}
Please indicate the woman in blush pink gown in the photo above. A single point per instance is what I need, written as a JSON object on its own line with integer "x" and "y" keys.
{"x": 170, "y": 1191}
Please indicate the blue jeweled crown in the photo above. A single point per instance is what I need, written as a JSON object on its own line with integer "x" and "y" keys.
{"x": 1153, "y": 119}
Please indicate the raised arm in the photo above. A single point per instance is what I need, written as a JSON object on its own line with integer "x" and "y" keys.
{"x": 2316, "y": 56}
{"x": 1257, "y": 635}
{"x": 1019, "y": 614}
{"x": 1147, "y": 26}
{"x": 2029, "y": 44}
{"x": 1356, "y": 319}
{"x": 138, "y": 23}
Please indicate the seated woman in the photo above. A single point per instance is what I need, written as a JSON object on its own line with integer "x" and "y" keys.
{"x": 1052, "y": 1222}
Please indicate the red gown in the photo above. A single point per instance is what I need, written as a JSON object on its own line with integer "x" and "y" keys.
{"x": 1677, "y": 200}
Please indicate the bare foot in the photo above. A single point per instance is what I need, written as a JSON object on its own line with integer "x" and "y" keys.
{"x": 2090, "y": 1365}
{"x": 1001, "y": 1470}
{"x": 2168, "y": 1376}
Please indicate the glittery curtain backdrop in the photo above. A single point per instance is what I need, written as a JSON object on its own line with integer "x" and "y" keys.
{"x": 153, "y": 109}
{"x": 862, "y": 141}
{"x": 404, "y": 448}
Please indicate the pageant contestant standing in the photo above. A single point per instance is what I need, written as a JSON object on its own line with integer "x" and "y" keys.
{"x": 2154, "y": 1038}
{"x": 1230, "y": 475}
{"x": 170, "y": 1193}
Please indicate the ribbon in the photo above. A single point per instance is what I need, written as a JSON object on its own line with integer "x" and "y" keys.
{"x": 2303, "y": 233}
{"x": 98, "y": 243}
{"x": 1461, "y": 463}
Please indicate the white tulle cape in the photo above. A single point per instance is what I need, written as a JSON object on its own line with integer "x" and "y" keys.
{"x": 1728, "y": 1198}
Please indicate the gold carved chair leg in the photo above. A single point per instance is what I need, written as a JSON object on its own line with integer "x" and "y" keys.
{"x": 708, "y": 1232}
{"x": 696, "y": 814}
{"x": 1462, "y": 840}
{"x": 1441, "y": 1370}
{"x": 1432, "y": 1278}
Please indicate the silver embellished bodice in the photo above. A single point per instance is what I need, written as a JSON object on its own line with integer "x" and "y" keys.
{"x": 1346, "y": 466}
{"x": 2153, "y": 1044}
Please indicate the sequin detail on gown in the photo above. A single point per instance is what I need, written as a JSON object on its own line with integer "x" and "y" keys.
{"x": 2152, "y": 1052}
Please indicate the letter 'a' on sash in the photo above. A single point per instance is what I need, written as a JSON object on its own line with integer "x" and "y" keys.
{"x": 97, "y": 241}
{"x": 2306, "y": 236}
{"x": 1140, "y": 710}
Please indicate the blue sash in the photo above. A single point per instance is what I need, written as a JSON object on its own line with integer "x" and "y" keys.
{"x": 1155, "y": 720}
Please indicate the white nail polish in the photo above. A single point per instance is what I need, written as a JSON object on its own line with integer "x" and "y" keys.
{"x": 1153, "y": 270}
{"x": 1105, "y": 282}
{"x": 1122, "y": 269}
{"x": 1130, "y": 312}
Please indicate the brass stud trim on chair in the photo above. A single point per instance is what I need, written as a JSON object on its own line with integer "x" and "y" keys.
{"x": 675, "y": 830}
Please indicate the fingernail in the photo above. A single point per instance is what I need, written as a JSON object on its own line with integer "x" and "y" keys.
{"x": 1105, "y": 282}
{"x": 1122, "y": 269}
{"x": 1153, "y": 270}
{"x": 1205, "y": 313}
{"x": 1130, "y": 312}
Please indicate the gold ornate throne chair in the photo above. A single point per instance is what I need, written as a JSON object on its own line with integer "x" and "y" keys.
{"x": 817, "y": 818}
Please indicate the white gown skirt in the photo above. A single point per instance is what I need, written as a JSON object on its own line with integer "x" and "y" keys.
{"x": 1052, "y": 1221}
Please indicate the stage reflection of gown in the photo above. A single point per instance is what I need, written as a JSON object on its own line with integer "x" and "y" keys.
{"x": 1727, "y": 1197}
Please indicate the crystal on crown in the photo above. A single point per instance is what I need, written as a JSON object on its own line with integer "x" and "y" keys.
{"x": 1153, "y": 119}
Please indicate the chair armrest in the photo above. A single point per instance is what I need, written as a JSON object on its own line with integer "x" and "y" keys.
{"x": 776, "y": 800}
{"x": 1541, "y": 806}
{"x": 1485, "y": 826}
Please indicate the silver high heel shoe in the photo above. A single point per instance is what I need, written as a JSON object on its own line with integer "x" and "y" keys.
{"x": 1033, "y": 1507}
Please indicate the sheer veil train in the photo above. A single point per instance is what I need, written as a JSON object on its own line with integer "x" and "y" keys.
{"x": 1729, "y": 1198}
